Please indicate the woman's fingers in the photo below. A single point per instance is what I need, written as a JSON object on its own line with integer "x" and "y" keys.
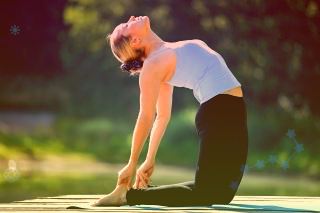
{"x": 145, "y": 175}
{"x": 143, "y": 180}
{"x": 149, "y": 171}
{"x": 129, "y": 183}
{"x": 134, "y": 185}
{"x": 137, "y": 182}
{"x": 146, "y": 178}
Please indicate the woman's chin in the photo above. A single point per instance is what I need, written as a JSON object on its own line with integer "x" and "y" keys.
{"x": 147, "y": 22}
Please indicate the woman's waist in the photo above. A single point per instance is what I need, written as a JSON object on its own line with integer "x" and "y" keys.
{"x": 236, "y": 91}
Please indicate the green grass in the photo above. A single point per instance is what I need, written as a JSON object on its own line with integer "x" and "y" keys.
{"x": 36, "y": 184}
{"x": 281, "y": 185}
{"x": 110, "y": 141}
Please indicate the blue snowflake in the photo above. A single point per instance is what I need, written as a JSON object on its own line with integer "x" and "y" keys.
{"x": 285, "y": 165}
{"x": 234, "y": 185}
{"x": 291, "y": 133}
{"x": 15, "y": 30}
{"x": 260, "y": 164}
{"x": 272, "y": 159}
{"x": 299, "y": 147}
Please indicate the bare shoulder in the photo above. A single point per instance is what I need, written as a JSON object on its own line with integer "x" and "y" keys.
{"x": 161, "y": 57}
{"x": 160, "y": 64}
{"x": 200, "y": 41}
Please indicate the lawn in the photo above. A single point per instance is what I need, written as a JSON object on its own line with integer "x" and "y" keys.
{"x": 48, "y": 179}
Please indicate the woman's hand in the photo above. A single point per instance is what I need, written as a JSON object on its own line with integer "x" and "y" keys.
{"x": 125, "y": 175}
{"x": 143, "y": 174}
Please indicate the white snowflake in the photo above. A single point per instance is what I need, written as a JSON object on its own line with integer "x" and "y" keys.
{"x": 11, "y": 174}
{"x": 15, "y": 30}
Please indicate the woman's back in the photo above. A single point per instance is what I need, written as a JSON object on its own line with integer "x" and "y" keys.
{"x": 201, "y": 69}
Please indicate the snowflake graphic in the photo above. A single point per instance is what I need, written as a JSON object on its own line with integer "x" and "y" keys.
{"x": 285, "y": 165}
{"x": 272, "y": 159}
{"x": 15, "y": 30}
{"x": 244, "y": 168}
{"x": 234, "y": 185}
{"x": 299, "y": 147}
{"x": 291, "y": 133}
{"x": 260, "y": 164}
{"x": 11, "y": 174}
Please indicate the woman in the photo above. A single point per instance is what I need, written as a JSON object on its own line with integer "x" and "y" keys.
{"x": 220, "y": 120}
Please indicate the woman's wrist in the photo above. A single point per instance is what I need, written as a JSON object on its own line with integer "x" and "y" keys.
{"x": 150, "y": 159}
{"x": 133, "y": 162}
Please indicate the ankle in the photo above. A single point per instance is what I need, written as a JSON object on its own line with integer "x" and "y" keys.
{"x": 122, "y": 189}
{"x": 123, "y": 198}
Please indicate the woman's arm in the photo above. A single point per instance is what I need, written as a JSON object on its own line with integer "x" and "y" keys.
{"x": 164, "y": 105}
{"x": 163, "y": 108}
{"x": 149, "y": 83}
{"x": 150, "y": 80}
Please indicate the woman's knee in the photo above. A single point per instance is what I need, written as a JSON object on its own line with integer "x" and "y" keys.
{"x": 212, "y": 197}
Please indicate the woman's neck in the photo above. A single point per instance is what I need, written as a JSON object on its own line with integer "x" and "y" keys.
{"x": 152, "y": 43}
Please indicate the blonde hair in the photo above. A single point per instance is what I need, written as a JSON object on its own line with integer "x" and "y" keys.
{"x": 120, "y": 47}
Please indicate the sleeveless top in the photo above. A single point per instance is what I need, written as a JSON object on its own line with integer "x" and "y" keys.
{"x": 201, "y": 69}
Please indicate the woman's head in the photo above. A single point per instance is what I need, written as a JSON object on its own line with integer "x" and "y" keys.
{"x": 126, "y": 43}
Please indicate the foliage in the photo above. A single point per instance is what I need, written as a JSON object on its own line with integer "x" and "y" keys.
{"x": 253, "y": 37}
{"x": 110, "y": 141}
{"x": 60, "y": 61}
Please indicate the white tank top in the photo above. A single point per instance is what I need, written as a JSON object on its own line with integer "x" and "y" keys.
{"x": 201, "y": 69}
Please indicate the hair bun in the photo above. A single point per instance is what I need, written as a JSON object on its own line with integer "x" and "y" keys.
{"x": 131, "y": 65}
{"x": 125, "y": 67}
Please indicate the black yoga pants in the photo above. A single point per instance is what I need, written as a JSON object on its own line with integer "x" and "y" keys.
{"x": 221, "y": 124}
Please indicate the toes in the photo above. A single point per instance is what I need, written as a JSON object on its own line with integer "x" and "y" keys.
{"x": 93, "y": 204}
{"x": 96, "y": 203}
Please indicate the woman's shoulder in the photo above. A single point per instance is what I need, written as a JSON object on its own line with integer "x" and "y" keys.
{"x": 168, "y": 53}
{"x": 196, "y": 40}
{"x": 162, "y": 61}
{"x": 170, "y": 47}
{"x": 163, "y": 55}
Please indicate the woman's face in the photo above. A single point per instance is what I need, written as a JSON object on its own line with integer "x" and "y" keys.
{"x": 137, "y": 27}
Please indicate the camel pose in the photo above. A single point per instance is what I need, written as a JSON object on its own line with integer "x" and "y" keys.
{"x": 220, "y": 121}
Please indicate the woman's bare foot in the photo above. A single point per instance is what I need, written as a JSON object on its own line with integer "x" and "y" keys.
{"x": 115, "y": 198}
